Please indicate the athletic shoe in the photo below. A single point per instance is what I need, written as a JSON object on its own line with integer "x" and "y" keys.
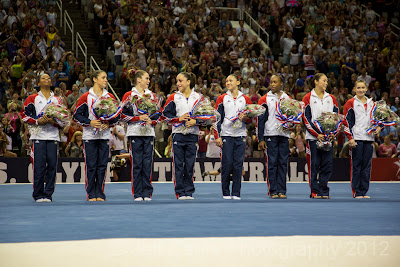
{"x": 226, "y": 197}
{"x": 325, "y": 197}
{"x": 366, "y": 197}
{"x": 281, "y": 195}
{"x": 138, "y": 199}
{"x": 359, "y": 197}
{"x": 182, "y": 197}
{"x": 92, "y": 199}
{"x": 46, "y": 200}
{"x": 189, "y": 197}
{"x": 236, "y": 198}
{"x": 147, "y": 198}
{"x": 100, "y": 199}
{"x": 40, "y": 200}
{"x": 317, "y": 197}
{"x": 274, "y": 196}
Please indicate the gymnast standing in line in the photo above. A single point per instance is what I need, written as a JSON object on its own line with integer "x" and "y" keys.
{"x": 96, "y": 137}
{"x": 357, "y": 112}
{"x": 230, "y": 138}
{"x": 141, "y": 137}
{"x": 274, "y": 141}
{"x": 320, "y": 162}
{"x": 185, "y": 134}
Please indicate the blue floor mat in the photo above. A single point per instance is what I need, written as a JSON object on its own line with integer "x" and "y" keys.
{"x": 71, "y": 217}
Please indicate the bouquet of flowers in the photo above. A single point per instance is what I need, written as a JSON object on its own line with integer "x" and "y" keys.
{"x": 251, "y": 111}
{"x": 328, "y": 123}
{"x": 58, "y": 112}
{"x": 289, "y": 113}
{"x": 105, "y": 109}
{"x": 146, "y": 105}
{"x": 382, "y": 115}
{"x": 54, "y": 110}
{"x": 206, "y": 113}
{"x": 203, "y": 113}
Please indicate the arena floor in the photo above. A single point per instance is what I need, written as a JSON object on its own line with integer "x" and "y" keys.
{"x": 207, "y": 231}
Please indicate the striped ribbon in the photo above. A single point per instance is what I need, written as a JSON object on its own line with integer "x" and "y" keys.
{"x": 105, "y": 117}
{"x": 337, "y": 128}
{"x": 376, "y": 122}
{"x": 284, "y": 119}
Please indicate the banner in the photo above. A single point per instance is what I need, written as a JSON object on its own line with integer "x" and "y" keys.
{"x": 70, "y": 170}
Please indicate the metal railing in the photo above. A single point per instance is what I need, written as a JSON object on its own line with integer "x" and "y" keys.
{"x": 93, "y": 67}
{"x": 256, "y": 27}
{"x": 238, "y": 11}
{"x": 364, "y": 7}
{"x": 81, "y": 46}
{"x": 246, "y": 17}
{"x": 68, "y": 22}
{"x": 60, "y": 8}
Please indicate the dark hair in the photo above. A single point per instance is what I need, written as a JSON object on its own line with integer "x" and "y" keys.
{"x": 133, "y": 75}
{"x": 190, "y": 77}
{"x": 317, "y": 77}
{"x": 278, "y": 75}
{"x": 236, "y": 77}
{"x": 96, "y": 74}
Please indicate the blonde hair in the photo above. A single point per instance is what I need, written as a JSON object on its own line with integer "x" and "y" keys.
{"x": 133, "y": 75}
{"x": 73, "y": 139}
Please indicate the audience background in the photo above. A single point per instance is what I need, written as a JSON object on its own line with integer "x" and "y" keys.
{"x": 167, "y": 37}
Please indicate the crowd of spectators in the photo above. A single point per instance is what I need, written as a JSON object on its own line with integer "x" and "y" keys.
{"x": 166, "y": 37}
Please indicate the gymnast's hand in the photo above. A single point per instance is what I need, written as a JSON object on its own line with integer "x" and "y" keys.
{"x": 262, "y": 145}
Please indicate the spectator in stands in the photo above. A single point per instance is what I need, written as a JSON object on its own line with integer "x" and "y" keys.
{"x": 71, "y": 99}
{"x": 74, "y": 148}
{"x": 387, "y": 149}
{"x": 86, "y": 86}
{"x": 287, "y": 42}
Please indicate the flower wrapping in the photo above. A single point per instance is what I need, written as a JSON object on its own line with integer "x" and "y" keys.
{"x": 105, "y": 109}
{"x": 381, "y": 115}
{"x": 328, "y": 123}
{"x": 289, "y": 112}
{"x": 201, "y": 111}
{"x": 58, "y": 112}
{"x": 251, "y": 111}
{"x": 145, "y": 105}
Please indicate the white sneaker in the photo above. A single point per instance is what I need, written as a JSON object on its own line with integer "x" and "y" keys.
{"x": 189, "y": 197}
{"x": 182, "y": 197}
{"x": 226, "y": 197}
{"x": 138, "y": 199}
{"x": 46, "y": 200}
{"x": 147, "y": 198}
{"x": 40, "y": 200}
{"x": 236, "y": 198}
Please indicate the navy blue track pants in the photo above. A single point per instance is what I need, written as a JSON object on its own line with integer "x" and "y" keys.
{"x": 44, "y": 157}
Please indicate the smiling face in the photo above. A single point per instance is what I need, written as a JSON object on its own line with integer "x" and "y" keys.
{"x": 45, "y": 80}
{"x": 361, "y": 89}
{"x": 322, "y": 82}
{"x": 232, "y": 83}
{"x": 182, "y": 83}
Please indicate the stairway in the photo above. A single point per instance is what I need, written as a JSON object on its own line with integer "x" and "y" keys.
{"x": 82, "y": 27}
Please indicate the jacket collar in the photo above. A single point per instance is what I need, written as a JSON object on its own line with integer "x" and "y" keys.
{"x": 368, "y": 99}
{"x": 146, "y": 91}
{"x": 313, "y": 93}
{"x": 283, "y": 95}
{"x": 240, "y": 94}
{"x": 91, "y": 92}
